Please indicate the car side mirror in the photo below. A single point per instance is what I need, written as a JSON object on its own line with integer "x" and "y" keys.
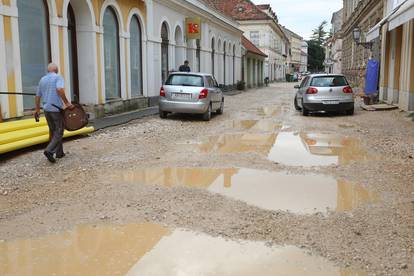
{"x": 297, "y": 86}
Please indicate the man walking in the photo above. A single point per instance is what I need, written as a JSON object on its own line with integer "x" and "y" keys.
{"x": 185, "y": 67}
{"x": 51, "y": 92}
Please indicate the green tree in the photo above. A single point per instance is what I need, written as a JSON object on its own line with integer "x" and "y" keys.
{"x": 316, "y": 56}
{"x": 319, "y": 34}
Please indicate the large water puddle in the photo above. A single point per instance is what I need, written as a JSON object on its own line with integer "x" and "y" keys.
{"x": 313, "y": 149}
{"x": 269, "y": 111}
{"x": 260, "y": 125}
{"x": 238, "y": 143}
{"x": 301, "y": 194}
{"x": 290, "y": 148}
{"x": 148, "y": 249}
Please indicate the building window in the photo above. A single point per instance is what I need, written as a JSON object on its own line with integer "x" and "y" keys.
{"x": 198, "y": 55}
{"x": 255, "y": 38}
{"x": 224, "y": 62}
{"x": 112, "y": 55}
{"x": 164, "y": 52}
{"x": 34, "y": 45}
{"x": 234, "y": 64}
{"x": 212, "y": 56}
{"x": 73, "y": 56}
{"x": 136, "y": 57}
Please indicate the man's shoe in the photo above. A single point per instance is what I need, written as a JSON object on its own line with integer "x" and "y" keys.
{"x": 60, "y": 156}
{"x": 49, "y": 157}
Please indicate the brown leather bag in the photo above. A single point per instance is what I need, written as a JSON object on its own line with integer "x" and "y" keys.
{"x": 75, "y": 118}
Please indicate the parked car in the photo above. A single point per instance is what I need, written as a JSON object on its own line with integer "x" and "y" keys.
{"x": 324, "y": 92}
{"x": 194, "y": 93}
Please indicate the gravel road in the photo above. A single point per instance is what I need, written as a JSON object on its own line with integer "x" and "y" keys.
{"x": 371, "y": 229}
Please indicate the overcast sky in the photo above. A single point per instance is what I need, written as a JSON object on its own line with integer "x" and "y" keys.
{"x": 302, "y": 16}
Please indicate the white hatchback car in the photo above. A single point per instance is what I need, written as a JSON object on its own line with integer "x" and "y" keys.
{"x": 194, "y": 93}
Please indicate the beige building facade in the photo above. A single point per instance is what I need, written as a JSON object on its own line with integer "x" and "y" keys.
{"x": 397, "y": 65}
{"x": 296, "y": 60}
{"x": 363, "y": 14}
{"x": 333, "y": 47}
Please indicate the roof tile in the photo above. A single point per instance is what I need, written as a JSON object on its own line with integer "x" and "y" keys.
{"x": 250, "y": 47}
{"x": 239, "y": 9}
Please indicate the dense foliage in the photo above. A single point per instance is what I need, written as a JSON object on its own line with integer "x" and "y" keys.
{"x": 316, "y": 51}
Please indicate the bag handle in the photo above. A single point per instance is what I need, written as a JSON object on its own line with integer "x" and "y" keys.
{"x": 58, "y": 107}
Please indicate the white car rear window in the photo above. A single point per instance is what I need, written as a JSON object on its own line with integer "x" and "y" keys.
{"x": 185, "y": 80}
{"x": 329, "y": 81}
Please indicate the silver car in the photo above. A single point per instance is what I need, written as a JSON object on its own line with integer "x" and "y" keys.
{"x": 194, "y": 93}
{"x": 324, "y": 92}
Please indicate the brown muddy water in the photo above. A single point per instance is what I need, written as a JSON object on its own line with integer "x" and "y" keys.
{"x": 260, "y": 125}
{"x": 300, "y": 194}
{"x": 150, "y": 249}
{"x": 290, "y": 148}
{"x": 269, "y": 111}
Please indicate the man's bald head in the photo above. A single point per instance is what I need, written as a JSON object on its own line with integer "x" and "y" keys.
{"x": 52, "y": 68}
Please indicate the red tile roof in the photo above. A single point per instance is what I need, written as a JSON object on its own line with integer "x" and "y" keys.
{"x": 239, "y": 9}
{"x": 263, "y": 6}
{"x": 250, "y": 47}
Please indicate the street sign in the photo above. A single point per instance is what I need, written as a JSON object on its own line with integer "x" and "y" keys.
{"x": 193, "y": 27}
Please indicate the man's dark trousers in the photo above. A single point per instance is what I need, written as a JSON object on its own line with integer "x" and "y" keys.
{"x": 55, "y": 122}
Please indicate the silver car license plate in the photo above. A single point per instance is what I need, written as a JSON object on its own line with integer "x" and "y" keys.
{"x": 330, "y": 102}
{"x": 181, "y": 96}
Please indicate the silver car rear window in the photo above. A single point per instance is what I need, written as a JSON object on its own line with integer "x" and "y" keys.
{"x": 329, "y": 81}
{"x": 185, "y": 80}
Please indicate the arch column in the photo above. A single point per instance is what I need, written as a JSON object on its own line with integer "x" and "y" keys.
{"x": 10, "y": 68}
{"x": 190, "y": 54}
{"x": 89, "y": 45}
{"x": 4, "y": 99}
{"x": 180, "y": 55}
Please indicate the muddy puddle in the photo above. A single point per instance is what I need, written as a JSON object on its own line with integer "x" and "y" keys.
{"x": 290, "y": 148}
{"x": 239, "y": 143}
{"x": 269, "y": 111}
{"x": 149, "y": 249}
{"x": 300, "y": 194}
{"x": 260, "y": 125}
{"x": 315, "y": 149}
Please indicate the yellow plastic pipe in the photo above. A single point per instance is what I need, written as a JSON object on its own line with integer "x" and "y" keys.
{"x": 14, "y": 136}
{"x": 39, "y": 140}
{"x": 21, "y": 124}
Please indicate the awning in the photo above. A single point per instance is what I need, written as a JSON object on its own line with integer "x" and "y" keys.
{"x": 404, "y": 14}
{"x": 375, "y": 31}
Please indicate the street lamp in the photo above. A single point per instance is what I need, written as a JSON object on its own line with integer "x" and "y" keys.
{"x": 357, "y": 38}
{"x": 357, "y": 34}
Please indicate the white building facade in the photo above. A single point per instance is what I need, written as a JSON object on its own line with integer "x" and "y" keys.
{"x": 333, "y": 47}
{"x": 304, "y": 57}
{"x": 298, "y": 49}
{"x": 114, "y": 54}
{"x": 266, "y": 37}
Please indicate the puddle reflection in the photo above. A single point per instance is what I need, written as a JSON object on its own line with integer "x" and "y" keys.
{"x": 184, "y": 253}
{"x": 86, "y": 250}
{"x": 289, "y": 148}
{"x": 148, "y": 249}
{"x": 237, "y": 143}
{"x": 308, "y": 149}
{"x": 261, "y": 125}
{"x": 302, "y": 194}
{"x": 269, "y": 111}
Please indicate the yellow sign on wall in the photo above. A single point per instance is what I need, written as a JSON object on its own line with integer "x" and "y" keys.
{"x": 193, "y": 27}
